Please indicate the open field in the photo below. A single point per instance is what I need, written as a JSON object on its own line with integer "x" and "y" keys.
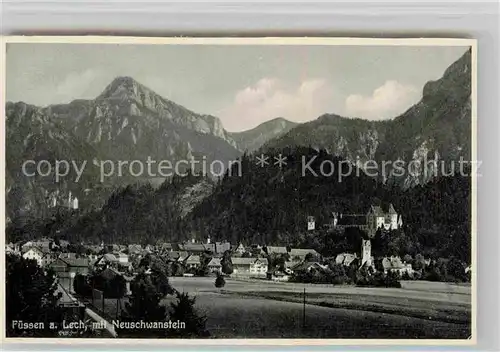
{"x": 265, "y": 309}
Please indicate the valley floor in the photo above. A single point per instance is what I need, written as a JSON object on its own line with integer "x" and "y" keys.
{"x": 265, "y": 309}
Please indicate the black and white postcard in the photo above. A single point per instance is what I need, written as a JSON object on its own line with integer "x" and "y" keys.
{"x": 284, "y": 190}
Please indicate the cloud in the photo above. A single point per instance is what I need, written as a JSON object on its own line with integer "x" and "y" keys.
{"x": 270, "y": 98}
{"x": 387, "y": 101}
{"x": 75, "y": 84}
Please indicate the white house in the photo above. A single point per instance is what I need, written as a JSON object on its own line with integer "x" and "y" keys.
{"x": 215, "y": 266}
{"x": 259, "y": 267}
{"x": 193, "y": 262}
{"x": 250, "y": 266}
{"x": 394, "y": 263}
{"x": 36, "y": 254}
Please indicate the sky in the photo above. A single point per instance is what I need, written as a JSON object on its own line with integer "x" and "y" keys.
{"x": 242, "y": 85}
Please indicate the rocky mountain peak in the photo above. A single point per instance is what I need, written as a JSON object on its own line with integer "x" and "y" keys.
{"x": 122, "y": 87}
{"x": 455, "y": 82}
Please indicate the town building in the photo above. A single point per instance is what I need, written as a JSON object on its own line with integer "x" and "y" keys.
{"x": 121, "y": 257}
{"x": 76, "y": 265}
{"x": 135, "y": 249}
{"x": 276, "y": 250}
{"x": 301, "y": 254}
{"x": 289, "y": 265}
{"x": 221, "y": 247}
{"x": 165, "y": 247}
{"x": 209, "y": 247}
{"x": 250, "y": 266}
{"x": 345, "y": 259}
{"x": 67, "y": 268}
{"x": 13, "y": 248}
{"x": 68, "y": 255}
{"x": 106, "y": 260}
{"x": 240, "y": 249}
{"x": 193, "y": 262}
{"x": 192, "y": 248}
{"x": 278, "y": 276}
{"x": 214, "y": 265}
{"x": 309, "y": 267}
{"x": 42, "y": 257}
{"x": 394, "y": 263}
{"x": 183, "y": 255}
{"x": 44, "y": 244}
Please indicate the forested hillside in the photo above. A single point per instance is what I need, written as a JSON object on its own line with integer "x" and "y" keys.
{"x": 270, "y": 205}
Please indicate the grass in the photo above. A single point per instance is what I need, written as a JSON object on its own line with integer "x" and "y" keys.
{"x": 264, "y": 309}
{"x": 416, "y": 308}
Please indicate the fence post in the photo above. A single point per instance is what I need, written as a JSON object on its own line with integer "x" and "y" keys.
{"x": 304, "y": 312}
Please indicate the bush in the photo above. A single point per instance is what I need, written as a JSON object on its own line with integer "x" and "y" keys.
{"x": 183, "y": 310}
{"x": 116, "y": 287}
{"x": 433, "y": 274}
{"x": 202, "y": 271}
{"x": 227, "y": 264}
{"x": 219, "y": 281}
{"x": 391, "y": 279}
{"x": 446, "y": 270}
{"x": 160, "y": 280}
{"x": 177, "y": 269}
{"x": 335, "y": 274}
{"x": 406, "y": 276}
{"x": 81, "y": 286}
{"x": 378, "y": 279}
{"x": 338, "y": 275}
{"x": 456, "y": 270}
{"x": 30, "y": 296}
{"x": 143, "y": 305}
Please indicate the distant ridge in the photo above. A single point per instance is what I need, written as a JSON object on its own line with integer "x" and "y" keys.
{"x": 254, "y": 138}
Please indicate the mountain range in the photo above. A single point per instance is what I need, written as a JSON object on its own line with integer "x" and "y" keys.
{"x": 437, "y": 128}
{"x": 129, "y": 121}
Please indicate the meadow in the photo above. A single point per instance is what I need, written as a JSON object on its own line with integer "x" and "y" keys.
{"x": 265, "y": 309}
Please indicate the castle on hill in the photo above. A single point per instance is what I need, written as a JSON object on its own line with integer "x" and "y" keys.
{"x": 377, "y": 217}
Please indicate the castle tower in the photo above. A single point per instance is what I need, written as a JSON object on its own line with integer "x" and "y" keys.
{"x": 74, "y": 204}
{"x": 311, "y": 223}
{"x": 366, "y": 252}
{"x": 72, "y": 201}
{"x": 335, "y": 219}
